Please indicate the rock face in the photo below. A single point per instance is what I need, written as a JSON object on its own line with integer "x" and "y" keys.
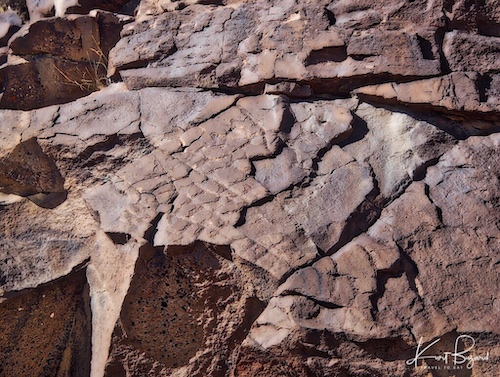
{"x": 185, "y": 310}
{"x": 250, "y": 188}
{"x": 46, "y": 330}
{"x": 58, "y": 60}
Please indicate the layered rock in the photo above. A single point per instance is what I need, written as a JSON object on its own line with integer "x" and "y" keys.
{"x": 263, "y": 42}
{"x": 275, "y": 189}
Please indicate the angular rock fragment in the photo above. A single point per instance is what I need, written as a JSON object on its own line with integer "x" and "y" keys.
{"x": 118, "y": 210}
{"x": 279, "y": 173}
{"x": 58, "y": 60}
{"x": 396, "y": 147}
{"x": 364, "y": 14}
{"x": 30, "y": 84}
{"x": 166, "y": 114}
{"x": 242, "y": 54}
{"x": 323, "y": 208}
{"x": 391, "y": 52}
{"x": 109, "y": 273}
{"x": 74, "y": 38}
{"x": 39, "y": 245}
{"x": 46, "y": 330}
{"x": 469, "y": 52}
{"x": 166, "y": 327}
{"x": 109, "y": 112}
{"x": 317, "y": 126}
{"x": 110, "y": 27}
{"x": 27, "y": 171}
{"x": 480, "y": 16}
{"x": 389, "y": 282}
{"x": 468, "y": 257}
{"x": 454, "y": 92}
{"x": 273, "y": 240}
{"x": 138, "y": 35}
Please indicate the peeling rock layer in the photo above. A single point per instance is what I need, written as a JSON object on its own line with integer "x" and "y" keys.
{"x": 249, "y": 188}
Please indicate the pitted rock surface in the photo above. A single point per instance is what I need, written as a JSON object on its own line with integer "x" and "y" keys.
{"x": 249, "y": 188}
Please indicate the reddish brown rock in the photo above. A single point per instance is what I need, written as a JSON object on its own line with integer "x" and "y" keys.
{"x": 166, "y": 328}
{"x": 74, "y": 38}
{"x": 110, "y": 27}
{"x": 324, "y": 222}
{"x": 122, "y": 56}
{"x": 409, "y": 275}
{"x": 62, "y": 59}
{"x": 303, "y": 197}
{"x": 47, "y": 81}
{"x": 471, "y": 52}
{"x": 364, "y": 14}
{"x": 46, "y": 330}
{"x": 279, "y": 173}
{"x": 318, "y": 125}
{"x": 468, "y": 92}
{"x": 273, "y": 240}
{"x": 305, "y": 46}
{"x": 473, "y": 15}
{"x": 66, "y": 239}
{"x": 406, "y": 57}
{"x": 396, "y": 147}
{"x": 255, "y": 362}
{"x": 27, "y": 171}
{"x": 464, "y": 188}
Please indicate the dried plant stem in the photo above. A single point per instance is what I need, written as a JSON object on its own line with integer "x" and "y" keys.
{"x": 94, "y": 77}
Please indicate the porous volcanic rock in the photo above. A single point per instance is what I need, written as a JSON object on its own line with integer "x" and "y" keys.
{"x": 46, "y": 330}
{"x": 185, "y": 310}
{"x": 250, "y": 188}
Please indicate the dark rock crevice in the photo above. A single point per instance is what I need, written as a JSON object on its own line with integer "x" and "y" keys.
{"x": 355, "y": 164}
{"x": 327, "y": 54}
{"x": 459, "y": 124}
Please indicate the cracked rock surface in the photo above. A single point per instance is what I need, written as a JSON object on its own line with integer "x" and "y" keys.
{"x": 250, "y": 188}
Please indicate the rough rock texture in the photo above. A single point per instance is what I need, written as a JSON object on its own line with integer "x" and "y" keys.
{"x": 186, "y": 308}
{"x": 46, "y": 330}
{"x": 256, "y": 188}
{"x": 58, "y": 60}
{"x": 256, "y": 42}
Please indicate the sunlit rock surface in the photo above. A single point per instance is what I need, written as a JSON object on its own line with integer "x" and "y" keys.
{"x": 249, "y": 188}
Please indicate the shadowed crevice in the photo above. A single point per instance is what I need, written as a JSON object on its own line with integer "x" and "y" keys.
{"x": 327, "y": 54}
{"x": 459, "y": 124}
